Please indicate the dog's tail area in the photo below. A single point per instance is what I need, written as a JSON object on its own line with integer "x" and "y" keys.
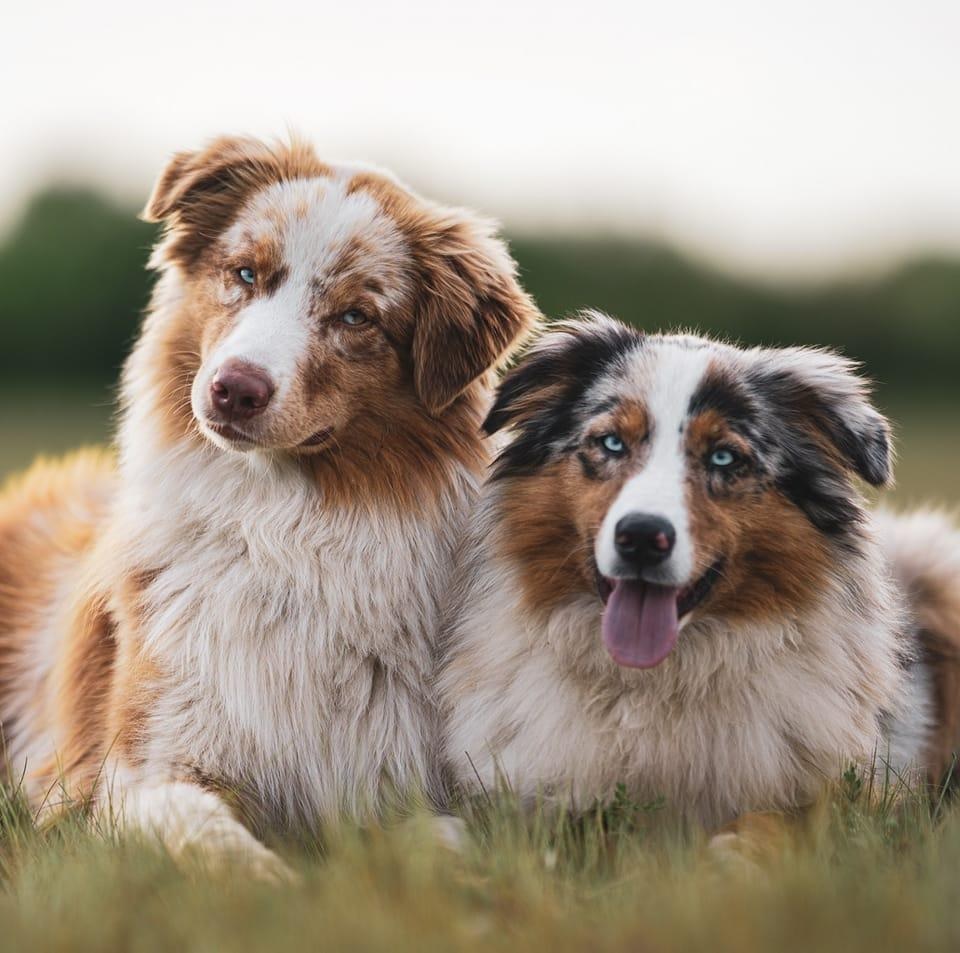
{"x": 923, "y": 551}
{"x": 49, "y": 519}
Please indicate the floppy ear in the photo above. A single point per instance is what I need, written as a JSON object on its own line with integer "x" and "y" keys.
{"x": 198, "y": 193}
{"x": 818, "y": 388}
{"x": 559, "y": 367}
{"x": 471, "y": 313}
{"x": 541, "y": 396}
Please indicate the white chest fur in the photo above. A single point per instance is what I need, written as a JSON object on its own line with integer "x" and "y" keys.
{"x": 296, "y": 643}
{"x": 737, "y": 718}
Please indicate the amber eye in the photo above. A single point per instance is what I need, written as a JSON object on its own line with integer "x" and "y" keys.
{"x": 354, "y": 318}
{"x": 247, "y": 275}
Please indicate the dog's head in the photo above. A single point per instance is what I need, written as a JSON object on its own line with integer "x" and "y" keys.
{"x": 317, "y": 298}
{"x": 677, "y": 476}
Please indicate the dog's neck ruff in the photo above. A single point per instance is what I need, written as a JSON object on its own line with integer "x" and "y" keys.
{"x": 741, "y": 715}
{"x": 274, "y": 615}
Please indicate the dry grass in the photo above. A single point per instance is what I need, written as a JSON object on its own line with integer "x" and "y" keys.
{"x": 867, "y": 876}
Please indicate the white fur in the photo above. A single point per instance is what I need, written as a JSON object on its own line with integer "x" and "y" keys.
{"x": 188, "y": 819}
{"x": 300, "y": 635}
{"x": 713, "y": 728}
{"x": 923, "y": 550}
{"x": 317, "y": 218}
{"x": 740, "y": 716}
{"x": 292, "y": 638}
{"x": 670, "y": 380}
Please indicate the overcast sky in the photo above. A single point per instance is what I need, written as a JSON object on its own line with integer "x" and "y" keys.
{"x": 770, "y": 135}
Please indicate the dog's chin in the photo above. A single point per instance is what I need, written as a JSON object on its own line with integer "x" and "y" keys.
{"x": 229, "y": 437}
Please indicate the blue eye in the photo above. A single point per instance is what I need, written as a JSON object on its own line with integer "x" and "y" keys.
{"x": 612, "y": 444}
{"x": 354, "y": 318}
{"x": 722, "y": 458}
{"x": 247, "y": 276}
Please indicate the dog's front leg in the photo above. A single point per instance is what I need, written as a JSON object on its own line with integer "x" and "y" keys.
{"x": 756, "y": 839}
{"x": 191, "y": 821}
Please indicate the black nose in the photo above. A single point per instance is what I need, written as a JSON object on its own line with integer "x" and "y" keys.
{"x": 643, "y": 540}
{"x": 240, "y": 391}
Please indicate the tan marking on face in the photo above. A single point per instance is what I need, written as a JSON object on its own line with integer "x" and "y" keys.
{"x": 552, "y": 518}
{"x": 263, "y": 253}
{"x": 774, "y": 560}
{"x": 407, "y": 389}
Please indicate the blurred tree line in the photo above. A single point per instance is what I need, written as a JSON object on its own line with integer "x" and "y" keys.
{"x": 73, "y": 284}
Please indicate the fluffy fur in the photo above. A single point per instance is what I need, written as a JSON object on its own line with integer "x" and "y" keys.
{"x": 796, "y": 655}
{"x": 237, "y": 621}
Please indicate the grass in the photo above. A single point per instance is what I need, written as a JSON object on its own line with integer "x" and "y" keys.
{"x": 867, "y": 876}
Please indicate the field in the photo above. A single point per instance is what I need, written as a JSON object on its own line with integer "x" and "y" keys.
{"x": 871, "y": 874}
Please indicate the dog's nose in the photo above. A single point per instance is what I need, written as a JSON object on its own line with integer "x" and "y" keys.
{"x": 241, "y": 391}
{"x": 643, "y": 540}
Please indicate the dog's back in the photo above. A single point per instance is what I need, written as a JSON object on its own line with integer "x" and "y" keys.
{"x": 49, "y": 521}
{"x": 923, "y": 550}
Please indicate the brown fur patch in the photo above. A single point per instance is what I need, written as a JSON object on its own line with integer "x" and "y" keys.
{"x": 454, "y": 311}
{"x": 552, "y": 518}
{"x": 774, "y": 560}
{"x": 936, "y": 602}
{"x": 81, "y": 688}
{"x": 48, "y": 521}
{"x": 199, "y": 193}
{"x": 470, "y": 310}
{"x": 758, "y": 839}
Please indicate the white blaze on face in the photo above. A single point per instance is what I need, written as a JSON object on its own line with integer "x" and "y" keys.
{"x": 319, "y": 220}
{"x": 665, "y": 377}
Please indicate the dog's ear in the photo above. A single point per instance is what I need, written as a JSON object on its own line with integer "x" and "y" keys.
{"x": 813, "y": 388}
{"x": 540, "y": 397}
{"x": 471, "y": 311}
{"x": 559, "y": 367}
{"x": 198, "y": 194}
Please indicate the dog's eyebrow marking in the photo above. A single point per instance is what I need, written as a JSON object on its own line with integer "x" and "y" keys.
{"x": 720, "y": 391}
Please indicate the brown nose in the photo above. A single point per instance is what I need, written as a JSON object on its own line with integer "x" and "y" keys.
{"x": 241, "y": 391}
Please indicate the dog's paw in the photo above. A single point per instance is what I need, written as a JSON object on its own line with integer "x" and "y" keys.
{"x": 449, "y": 832}
{"x": 751, "y": 843}
{"x": 733, "y": 854}
{"x": 270, "y": 868}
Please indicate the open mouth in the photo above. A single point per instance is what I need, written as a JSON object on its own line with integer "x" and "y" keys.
{"x": 641, "y": 620}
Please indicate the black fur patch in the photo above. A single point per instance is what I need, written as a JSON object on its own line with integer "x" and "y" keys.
{"x": 721, "y": 392}
{"x": 794, "y": 413}
{"x": 589, "y": 470}
{"x": 563, "y": 372}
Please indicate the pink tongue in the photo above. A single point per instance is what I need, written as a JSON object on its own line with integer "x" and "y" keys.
{"x": 640, "y": 623}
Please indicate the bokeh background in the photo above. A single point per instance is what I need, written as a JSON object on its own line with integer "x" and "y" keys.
{"x": 773, "y": 173}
